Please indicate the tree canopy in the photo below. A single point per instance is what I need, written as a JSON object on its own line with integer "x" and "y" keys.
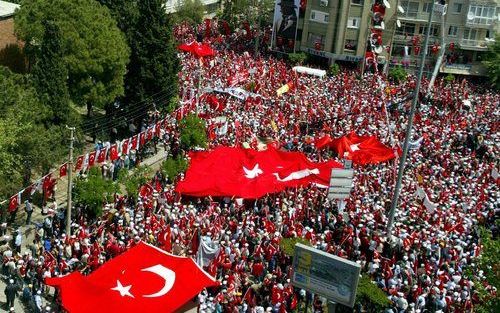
{"x": 95, "y": 52}
{"x": 193, "y": 132}
{"x": 492, "y": 62}
{"x": 27, "y": 144}
{"x": 191, "y": 11}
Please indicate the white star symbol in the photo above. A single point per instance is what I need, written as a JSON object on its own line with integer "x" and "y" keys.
{"x": 354, "y": 147}
{"x": 253, "y": 173}
{"x": 123, "y": 290}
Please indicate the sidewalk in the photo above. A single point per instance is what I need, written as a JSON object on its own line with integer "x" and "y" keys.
{"x": 29, "y": 231}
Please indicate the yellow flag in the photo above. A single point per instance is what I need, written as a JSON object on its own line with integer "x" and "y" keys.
{"x": 273, "y": 126}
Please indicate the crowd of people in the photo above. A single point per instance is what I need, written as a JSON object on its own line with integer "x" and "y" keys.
{"x": 423, "y": 265}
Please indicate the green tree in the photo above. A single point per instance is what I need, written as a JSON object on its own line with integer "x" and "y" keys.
{"x": 133, "y": 180}
{"x": 398, "y": 74}
{"x": 489, "y": 263}
{"x": 288, "y": 244}
{"x": 172, "y": 167}
{"x": 95, "y": 51}
{"x": 334, "y": 69}
{"x": 191, "y": 11}
{"x": 153, "y": 64}
{"x": 50, "y": 74}
{"x": 193, "y": 132}
{"x": 93, "y": 191}
{"x": 297, "y": 58}
{"x": 492, "y": 62}
{"x": 27, "y": 145}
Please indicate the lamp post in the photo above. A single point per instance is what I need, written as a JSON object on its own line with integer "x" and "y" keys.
{"x": 409, "y": 127}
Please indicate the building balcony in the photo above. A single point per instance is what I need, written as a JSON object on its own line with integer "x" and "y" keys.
{"x": 418, "y": 17}
{"x": 473, "y": 44}
{"x": 479, "y": 22}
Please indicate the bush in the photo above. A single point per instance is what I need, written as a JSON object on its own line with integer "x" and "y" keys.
{"x": 288, "y": 244}
{"x": 132, "y": 180}
{"x": 173, "y": 167}
{"x": 449, "y": 79}
{"x": 297, "y": 58}
{"x": 92, "y": 191}
{"x": 193, "y": 133}
{"x": 398, "y": 74}
{"x": 334, "y": 69}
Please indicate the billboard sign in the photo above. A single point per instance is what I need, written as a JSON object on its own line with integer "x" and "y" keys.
{"x": 325, "y": 274}
{"x": 285, "y": 22}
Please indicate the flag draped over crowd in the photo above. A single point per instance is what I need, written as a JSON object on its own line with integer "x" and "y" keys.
{"x": 360, "y": 149}
{"x": 143, "y": 279}
{"x": 250, "y": 174}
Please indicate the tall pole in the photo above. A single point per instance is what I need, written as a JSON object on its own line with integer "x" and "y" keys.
{"x": 409, "y": 127}
{"x": 439, "y": 60}
{"x": 70, "y": 182}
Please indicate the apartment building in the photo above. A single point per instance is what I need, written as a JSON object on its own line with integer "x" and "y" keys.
{"x": 334, "y": 30}
{"x": 469, "y": 26}
{"x": 7, "y": 11}
{"x": 337, "y": 30}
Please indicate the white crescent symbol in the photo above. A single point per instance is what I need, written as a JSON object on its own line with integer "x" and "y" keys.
{"x": 165, "y": 273}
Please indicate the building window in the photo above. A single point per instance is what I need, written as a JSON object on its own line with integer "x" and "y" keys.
{"x": 457, "y": 8}
{"x": 470, "y": 33}
{"x": 313, "y": 39}
{"x": 353, "y": 22}
{"x": 408, "y": 29}
{"x": 422, "y": 30}
{"x": 323, "y": 3}
{"x": 410, "y": 8}
{"x": 320, "y": 17}
{"x": 427, "y": 7}
{"x": 357, "y": 2}
{"x": 351, "y": 45}
{"x": 452, "y": 31}
{"x": 479, "y": 14}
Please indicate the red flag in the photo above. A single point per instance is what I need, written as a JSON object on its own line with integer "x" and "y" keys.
{"x": 149, "y": 134}
{"x": 157, "y": 129}
{"x": 165, "y": 239}
{"x": 113, "y": 152}
{"x": 247, "y": 173}
{"x": 92, "y": 156}
{"x": 238, "y": 78}
{"x": 125, "y": 146}
{"x": 197, "y": 49}
{"x": 322, "y": 142}
{"x": 146, "y": 190}
{"x": 142, "y": 138}
{"x": 14, "y": 202}
{"x": 102, "y": 155}
{"x": 195, "y": 242}
{"x": 134, "y": 143}
{"x": 79, "y": 162}
{"x": 63, "y": 170}
{"x": 143, "y": 279}
{"x": 362, "y": 149}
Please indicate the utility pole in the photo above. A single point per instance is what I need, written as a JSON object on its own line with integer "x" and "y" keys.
{"x": 439, "y": 61}
{"x": 70, "y": 182}
{"x": 409, "y": 127}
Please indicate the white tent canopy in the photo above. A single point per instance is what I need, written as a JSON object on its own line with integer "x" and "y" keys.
{"x": 309, "y": 71}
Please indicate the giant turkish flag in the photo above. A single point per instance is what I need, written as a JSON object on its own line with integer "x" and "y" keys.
{"x": 143, "y": 279}
{"x": 360, "y": 149}
{"x": 247, "y": 173}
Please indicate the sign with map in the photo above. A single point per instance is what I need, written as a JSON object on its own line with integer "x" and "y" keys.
{"x": 325, "y": 274}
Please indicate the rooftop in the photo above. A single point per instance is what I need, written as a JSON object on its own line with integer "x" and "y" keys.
{"x": 7, "y": 9}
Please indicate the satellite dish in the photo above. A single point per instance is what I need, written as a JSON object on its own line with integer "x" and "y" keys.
{"x": 378, "y": 49}
{"x": 398, "y": 22}
{"x": 401, "y": 10}
{"x": 470, "y": 16}
{"x": 387, "y": 4}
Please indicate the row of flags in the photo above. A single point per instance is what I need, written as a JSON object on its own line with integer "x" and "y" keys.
{"x": 47, "y": 183}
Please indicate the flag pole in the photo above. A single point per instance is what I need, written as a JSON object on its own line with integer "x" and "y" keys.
{"x": 70, "y": 182}
{"x": 397, "y": 188}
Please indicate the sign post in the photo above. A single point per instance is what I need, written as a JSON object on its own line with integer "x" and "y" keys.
{"x": 325, "y": 274}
